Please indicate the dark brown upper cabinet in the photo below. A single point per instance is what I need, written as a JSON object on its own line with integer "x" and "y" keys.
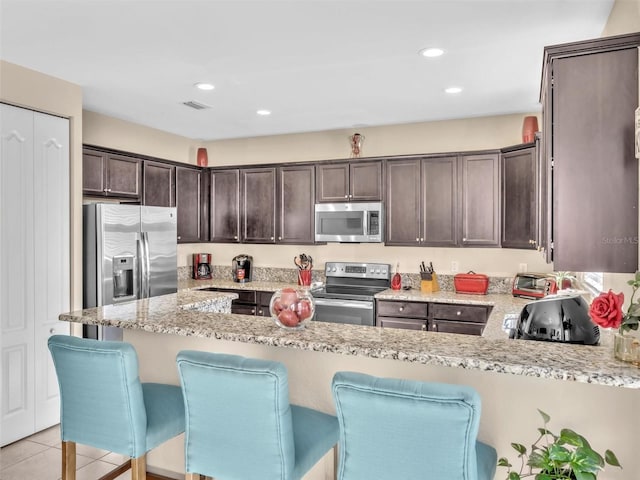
{"x": 349, "y": 181}
{"x": 189, "y": 204}
{"x": 225, "y": 206}
{"x": 296, "y": 194}
{"x": 520, "y": 197}
{"x": 480, "y": 193}
{"x": 589, "y": 95}
{"x": 110, "y": 175}
{"x": 158, "y": 184}
{"x": 421, "y": 202}
{"x": 258, "y": 200}
{"x": 440, "y": 207}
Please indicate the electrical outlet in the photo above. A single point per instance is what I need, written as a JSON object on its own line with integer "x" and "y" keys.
{"x": 522, "y": 267}
{"x": 454, "y": 267}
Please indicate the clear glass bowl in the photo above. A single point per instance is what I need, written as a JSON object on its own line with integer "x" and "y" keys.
{"x": 292, "y": 308}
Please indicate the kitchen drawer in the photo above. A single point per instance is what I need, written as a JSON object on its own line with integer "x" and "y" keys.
{"x": 406, "y": 323}
{"x": 460, "y": 313}
{"x": 450, "y": 326}
{"x": 402, "y": 309}
{"x": 243, "y": 309}
{"x": 263, "y": 298}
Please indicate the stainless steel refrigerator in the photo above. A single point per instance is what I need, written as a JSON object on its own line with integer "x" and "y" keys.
{"x": 129, "y": 253}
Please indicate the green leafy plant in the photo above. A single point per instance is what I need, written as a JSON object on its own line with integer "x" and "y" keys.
{"x": 555, "y": 457}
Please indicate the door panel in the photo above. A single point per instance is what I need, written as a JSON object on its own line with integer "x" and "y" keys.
{"x": 17, "y": 269}
{"x": 52, "y": 265}
{"x": 440, "y": 201}
{"x": 403, "y": 219}
{"x": 159, "y": 223}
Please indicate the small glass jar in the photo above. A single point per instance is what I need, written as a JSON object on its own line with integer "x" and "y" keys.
{"x": 627, "y": 348}
{"x": 292, "y": 308}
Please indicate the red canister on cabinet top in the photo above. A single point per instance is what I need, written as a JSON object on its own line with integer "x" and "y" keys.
{"x": 474, "y": 283}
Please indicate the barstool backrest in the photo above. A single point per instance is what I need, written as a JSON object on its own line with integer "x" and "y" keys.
{"x": 101, "y": 396}
{"x": 392, "y": 428}
{"x": 239, "y": 423}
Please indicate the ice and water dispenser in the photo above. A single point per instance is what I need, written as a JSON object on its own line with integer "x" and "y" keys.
{"x": 123, "y": 277}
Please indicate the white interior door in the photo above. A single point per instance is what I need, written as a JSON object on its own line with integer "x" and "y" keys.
{"x": 34, "y": 265}
{"x": 51, "y": 274}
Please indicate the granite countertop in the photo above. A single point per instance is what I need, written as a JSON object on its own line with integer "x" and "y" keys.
{"x": 191, "y": 284}
{"x": 174, "y": 314}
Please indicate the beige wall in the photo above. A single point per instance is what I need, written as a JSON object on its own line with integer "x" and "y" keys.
{"x": 624, "y": 18}
{"x": 30, "y": 89}
{"x": 428, "y": 137}
{"x": 104, "y": 131}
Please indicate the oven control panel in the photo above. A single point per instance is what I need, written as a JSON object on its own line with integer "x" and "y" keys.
{"x": 358, "y": 270}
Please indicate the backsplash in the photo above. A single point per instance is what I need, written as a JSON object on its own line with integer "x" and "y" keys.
{"x": 290, "y": 275}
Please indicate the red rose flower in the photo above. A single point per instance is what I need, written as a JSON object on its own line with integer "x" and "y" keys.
{"x": 606, "y": 309}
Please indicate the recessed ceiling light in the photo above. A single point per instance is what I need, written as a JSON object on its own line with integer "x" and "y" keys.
{"x": 431, "y": 52}
{"x": 263, "y": 112}
{"x": 453, "y": 90}
{"x": 204, "y": 86}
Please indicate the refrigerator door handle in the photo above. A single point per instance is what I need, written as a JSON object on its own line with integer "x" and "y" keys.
{"x": 146, "y": 266}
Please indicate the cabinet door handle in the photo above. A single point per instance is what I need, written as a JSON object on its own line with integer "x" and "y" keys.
{"x": 401, "y": 309}
{"x": 260, "y": 312}
{"x": 52, "y": 330}
{"x": 424, "y": 327}
{"x": 417, "y": 239}
{"x": 279, "y": 238}
{"x": 458, "y": 313}
{"x": 464, "y": 239}
{"x": 421, "y": 239}
{"x": 253, "y": 311}
{"x": 271, "y": 238}
{"x": 179, "y": 237}
{"x": 235, "y": 237}
{"x": 346, "y": 196}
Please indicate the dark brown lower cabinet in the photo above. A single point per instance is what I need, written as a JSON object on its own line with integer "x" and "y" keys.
{"x": 435, "y": 317}
{"x": 398, "y": 314}
{"x": 458, "y": 318}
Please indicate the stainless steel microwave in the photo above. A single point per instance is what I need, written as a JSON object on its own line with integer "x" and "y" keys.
{"x": 349, "y": 222}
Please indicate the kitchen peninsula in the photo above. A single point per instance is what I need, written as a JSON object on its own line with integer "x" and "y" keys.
{"x": 577, "y": 385}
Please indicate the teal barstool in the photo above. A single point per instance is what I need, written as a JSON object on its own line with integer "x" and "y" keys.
{"x": 240, "y": 425}
{"x": 402, "y": 429}
{"x": 104, "y": 405}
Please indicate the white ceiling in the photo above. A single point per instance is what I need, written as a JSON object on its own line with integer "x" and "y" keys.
{"x": 316, "y": 64}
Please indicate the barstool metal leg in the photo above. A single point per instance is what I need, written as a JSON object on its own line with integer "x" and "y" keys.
{"x": 68, "y": 460}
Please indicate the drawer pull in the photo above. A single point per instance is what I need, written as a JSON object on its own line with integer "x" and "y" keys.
{"x": 401, "y": 309}
{"x": 424, "y": 327}
{"x": 458, "y": 313}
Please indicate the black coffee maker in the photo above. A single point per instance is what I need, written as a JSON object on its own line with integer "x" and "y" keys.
{"x": 241, "y": 266}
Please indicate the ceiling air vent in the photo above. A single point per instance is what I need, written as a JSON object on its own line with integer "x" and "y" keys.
{"x": 196, "y": 105}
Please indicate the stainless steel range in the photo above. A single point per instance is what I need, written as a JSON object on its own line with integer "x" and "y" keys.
{"x": 348, "y": 294}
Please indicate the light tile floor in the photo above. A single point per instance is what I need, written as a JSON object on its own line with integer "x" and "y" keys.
{"x": 39, "y": 457}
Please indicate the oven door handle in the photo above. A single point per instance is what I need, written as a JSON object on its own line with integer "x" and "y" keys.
{"x": 333, "y": 303}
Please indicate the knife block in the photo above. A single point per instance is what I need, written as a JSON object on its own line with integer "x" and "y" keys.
{"x": 430, "y": 286}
